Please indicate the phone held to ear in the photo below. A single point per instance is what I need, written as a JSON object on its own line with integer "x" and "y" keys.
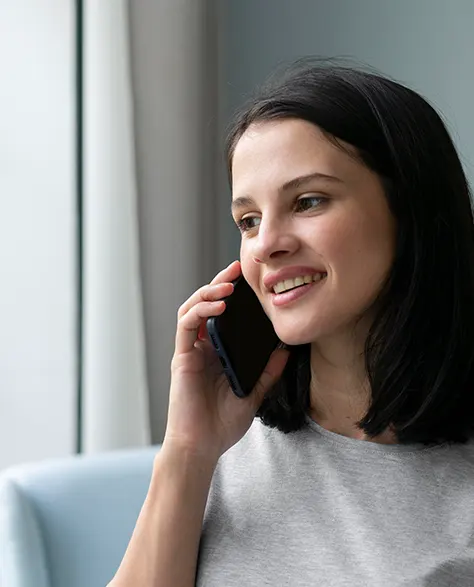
{"x": 243, "y": 337}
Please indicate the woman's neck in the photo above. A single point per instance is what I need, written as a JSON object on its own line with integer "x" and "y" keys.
{"x": 340, "y": 390}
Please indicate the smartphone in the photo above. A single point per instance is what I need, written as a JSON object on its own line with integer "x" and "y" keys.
{"x": 243, "y": 337}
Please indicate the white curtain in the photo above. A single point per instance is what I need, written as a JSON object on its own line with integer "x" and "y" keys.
{"x": 115, "y": 395}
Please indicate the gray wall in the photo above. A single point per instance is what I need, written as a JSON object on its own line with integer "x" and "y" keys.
{"x": 426, "y": 44}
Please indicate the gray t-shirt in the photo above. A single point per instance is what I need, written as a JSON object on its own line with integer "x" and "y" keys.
{"x": 317, "y": 508}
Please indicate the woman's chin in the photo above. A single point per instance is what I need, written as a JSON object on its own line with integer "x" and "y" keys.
{"x": 295, "y": 338}
{"x": 297, "y": 333}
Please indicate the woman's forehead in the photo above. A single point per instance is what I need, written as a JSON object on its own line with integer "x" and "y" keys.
{"x": 277, "y": 153}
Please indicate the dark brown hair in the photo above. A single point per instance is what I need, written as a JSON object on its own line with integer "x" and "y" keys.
{"x": 420, "y": 348}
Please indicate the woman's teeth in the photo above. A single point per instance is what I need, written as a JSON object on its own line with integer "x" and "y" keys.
{"x": 296, "y": 282}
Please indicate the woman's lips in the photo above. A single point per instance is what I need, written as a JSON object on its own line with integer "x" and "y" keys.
{"x": 288, "y": 297}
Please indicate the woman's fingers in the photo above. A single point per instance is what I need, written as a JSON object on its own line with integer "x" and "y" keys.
{"x": 204, "y": 303}
{"x": 206, "y": 293}
{"x": 189, "y": 324}
{"x": 219, "y": 287}
{"x": 230, "y": 273}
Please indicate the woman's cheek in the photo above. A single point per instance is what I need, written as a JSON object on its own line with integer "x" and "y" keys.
{"x": 340, "y": 237}
{"x": 248, "y": 267}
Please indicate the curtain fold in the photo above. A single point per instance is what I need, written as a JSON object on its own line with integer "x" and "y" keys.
{"x": 115, "y": 391}
{"x": 174, "y": 76}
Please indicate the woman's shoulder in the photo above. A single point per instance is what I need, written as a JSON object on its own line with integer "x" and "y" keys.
{"x": 262, "y": 439}
{"x": 261, "y": 452}
{"x": 255, "y": 441}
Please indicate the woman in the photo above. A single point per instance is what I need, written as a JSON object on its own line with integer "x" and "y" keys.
{"x": 360, "y": 467}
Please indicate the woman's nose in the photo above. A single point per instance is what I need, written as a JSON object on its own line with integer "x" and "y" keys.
{"x": 272, "y": 241}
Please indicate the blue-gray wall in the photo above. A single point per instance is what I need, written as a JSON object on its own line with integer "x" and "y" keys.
{"x": 426, "y": 44}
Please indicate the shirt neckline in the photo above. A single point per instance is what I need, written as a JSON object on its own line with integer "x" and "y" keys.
{"x": 367, "y": 446}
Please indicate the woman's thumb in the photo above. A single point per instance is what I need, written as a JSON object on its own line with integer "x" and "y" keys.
{"x": 271, "y": 374}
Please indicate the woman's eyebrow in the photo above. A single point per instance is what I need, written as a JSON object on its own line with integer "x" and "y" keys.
{"x": 241, "y": 202}
{"x": 302, "y": 180}
{"x": 296, "y": 182}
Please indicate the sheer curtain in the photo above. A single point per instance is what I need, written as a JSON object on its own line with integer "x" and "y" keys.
{"x": 148, "y": 164}
{"x": 115, "y": 391}
{"x": 38, "y": 369}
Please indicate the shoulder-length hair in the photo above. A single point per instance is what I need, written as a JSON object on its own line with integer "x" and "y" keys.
{"x": 420, "y": 348}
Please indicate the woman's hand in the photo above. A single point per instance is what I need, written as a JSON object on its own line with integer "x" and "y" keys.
{"x": 205, "y": 418}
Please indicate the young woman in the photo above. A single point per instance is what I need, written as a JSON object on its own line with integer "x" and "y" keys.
{"x": 358, "y": 239}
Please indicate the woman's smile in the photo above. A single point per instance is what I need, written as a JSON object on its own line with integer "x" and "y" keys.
{"x": 289, "y": 296}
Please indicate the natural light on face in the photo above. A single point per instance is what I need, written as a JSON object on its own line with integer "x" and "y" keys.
{"x": 302, "y": 202}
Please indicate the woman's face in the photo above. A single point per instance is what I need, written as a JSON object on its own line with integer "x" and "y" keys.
{"x": 314, "y": 215}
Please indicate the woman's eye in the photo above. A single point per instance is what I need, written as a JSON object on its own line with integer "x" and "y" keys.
{"x": 306, "y": 203}
{"x": 247, "y": 223}
{"x": 310, "y": 202}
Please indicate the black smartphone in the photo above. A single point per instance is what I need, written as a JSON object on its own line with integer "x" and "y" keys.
{"x": 243, "y": 337}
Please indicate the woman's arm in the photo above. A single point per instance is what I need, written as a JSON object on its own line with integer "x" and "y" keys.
{"x": 164, "y": 546}
{"x": 205, "y": 419}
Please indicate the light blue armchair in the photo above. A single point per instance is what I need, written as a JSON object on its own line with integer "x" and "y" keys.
{"x": 67, "y": 522}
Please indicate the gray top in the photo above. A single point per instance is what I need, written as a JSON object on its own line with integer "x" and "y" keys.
{"x": 317, "y": 508}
